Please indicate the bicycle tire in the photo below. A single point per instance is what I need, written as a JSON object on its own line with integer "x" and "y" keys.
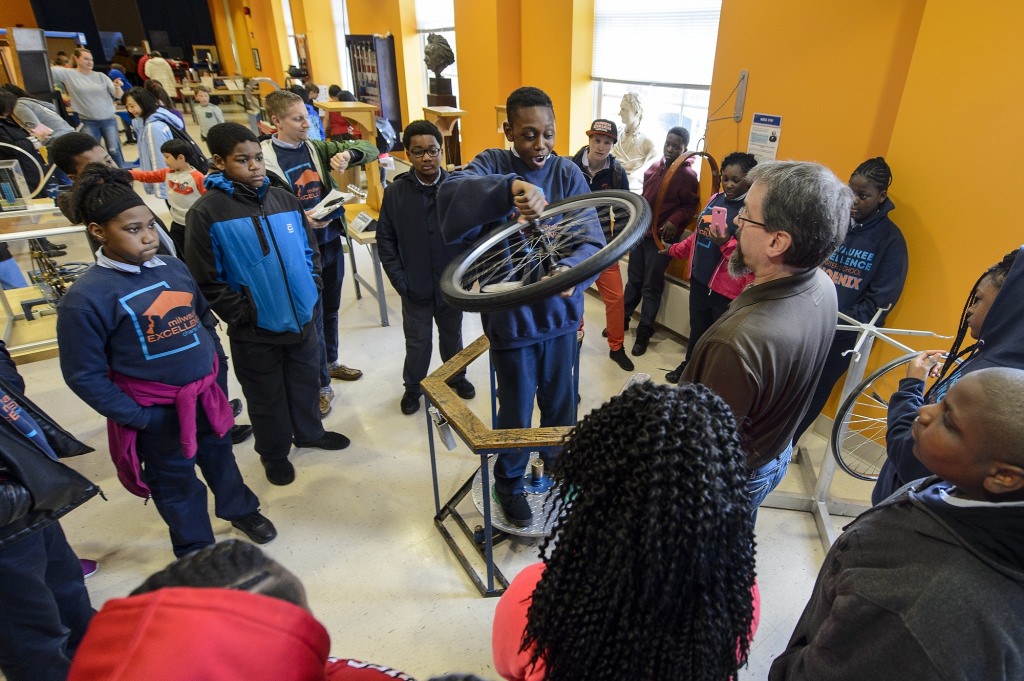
{"x": 858, "y": 432}
{"x": 486, "y": 277}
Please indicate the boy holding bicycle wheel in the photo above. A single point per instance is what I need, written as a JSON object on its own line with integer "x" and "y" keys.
{"x": 533, "y": 347}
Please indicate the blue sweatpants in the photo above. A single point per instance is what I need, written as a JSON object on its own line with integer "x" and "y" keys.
{"x": 541, "y": 371}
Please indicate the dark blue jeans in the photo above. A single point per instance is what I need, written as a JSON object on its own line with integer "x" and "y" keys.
{"x": 418, "y": 318}
{"x": 179, "y": 495}
{"x": 541, "y": 371}
{"x": 332, "y": 262}
{"x": 44, "y": 607}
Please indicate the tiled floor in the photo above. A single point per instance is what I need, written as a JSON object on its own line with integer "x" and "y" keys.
{"x": 357, "y": 527}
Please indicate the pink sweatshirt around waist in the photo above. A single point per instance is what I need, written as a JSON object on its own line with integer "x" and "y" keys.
{"x": 185, "y": 398}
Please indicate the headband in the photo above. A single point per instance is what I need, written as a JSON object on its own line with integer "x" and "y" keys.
{"x": 115, "y": 206}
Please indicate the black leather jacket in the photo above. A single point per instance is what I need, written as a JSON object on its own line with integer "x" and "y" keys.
{"x": 55, "y": 489}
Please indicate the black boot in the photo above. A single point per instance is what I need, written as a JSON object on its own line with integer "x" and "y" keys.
{"x": 674, "y": 375}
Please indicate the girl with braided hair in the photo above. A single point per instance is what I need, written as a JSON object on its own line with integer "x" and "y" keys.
{"x": 652, "y": 572}
{"x": 138, "y": 344}
{"x": 994, "y": 316}
{"x": 869, "y": 269}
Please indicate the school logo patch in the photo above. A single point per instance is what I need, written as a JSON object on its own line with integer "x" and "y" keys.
{"x": 165, "y": 320}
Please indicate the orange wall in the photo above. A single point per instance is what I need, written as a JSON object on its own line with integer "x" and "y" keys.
{"x": 14, "y": 13}
{"x": 314, "y": 19}
{"x": 487, "y": 35}
{"x": 955, "y": 158}
{"x": 559, "y": 62}
{"x": 833, "y": 71}
{"x": 397, "y": 17}
{"x": 223, "y": 37}
{"x": 836, "y": 74}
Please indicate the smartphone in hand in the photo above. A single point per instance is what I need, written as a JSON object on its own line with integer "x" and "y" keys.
{"x": 718, "y": 218}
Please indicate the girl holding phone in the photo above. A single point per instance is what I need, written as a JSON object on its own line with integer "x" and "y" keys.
{"x": 712, "y": 287}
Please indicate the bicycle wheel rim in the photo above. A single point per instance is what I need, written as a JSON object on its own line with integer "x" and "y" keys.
{"x": 506, "y": 268}
{"x": 858, "y": 433}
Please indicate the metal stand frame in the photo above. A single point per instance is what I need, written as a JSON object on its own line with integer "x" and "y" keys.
{"x": 819, "y": 502}
{"x": 448, "y": 413}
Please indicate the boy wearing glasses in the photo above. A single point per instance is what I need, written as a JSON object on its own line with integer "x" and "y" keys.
{"x": 413, "y": 254}
{"x": 303, "y": 167}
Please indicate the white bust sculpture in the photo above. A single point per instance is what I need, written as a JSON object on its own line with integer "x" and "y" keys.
{"x": 634, "y": 150}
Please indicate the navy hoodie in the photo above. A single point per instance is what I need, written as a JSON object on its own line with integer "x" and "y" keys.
{"x": 870, "y": 267}
{"x": 481, "y": 195}
{"x": 999, "y": 346}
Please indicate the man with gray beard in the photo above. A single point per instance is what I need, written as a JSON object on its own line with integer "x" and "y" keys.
{"x": 764, "y": 355}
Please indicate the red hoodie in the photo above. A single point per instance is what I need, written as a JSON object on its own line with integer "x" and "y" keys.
{"x": 204, "y": 634}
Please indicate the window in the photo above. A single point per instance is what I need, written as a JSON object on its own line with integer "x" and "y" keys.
{"x": 663, "y": 50}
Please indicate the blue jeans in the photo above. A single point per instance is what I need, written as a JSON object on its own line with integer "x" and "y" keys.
{"x": 106, "y": 131}
{"x": 764, "y": 479}
{"x": 332, "y": 263}
{"x": 44, "y": 607}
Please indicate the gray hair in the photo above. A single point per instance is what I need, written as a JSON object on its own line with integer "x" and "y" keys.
{"x": 809, "y": 202}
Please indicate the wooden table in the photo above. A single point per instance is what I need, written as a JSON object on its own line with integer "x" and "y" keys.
{"x": 368, "y": 239}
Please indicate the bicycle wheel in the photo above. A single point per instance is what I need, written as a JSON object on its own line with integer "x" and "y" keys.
{"x": 858, "y": 433}
{"x": 516, "y": 263}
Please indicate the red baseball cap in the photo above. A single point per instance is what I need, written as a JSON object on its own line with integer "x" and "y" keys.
{"x": 602, "y": 126}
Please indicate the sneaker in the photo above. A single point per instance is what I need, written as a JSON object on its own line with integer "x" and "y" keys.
{"x": 464, "y": 389}
{"x": 256, "y": 527}
{"x": 619, "y": 357}
{"x": 410, "y": 403}
{"x": 236, "y": 407}
{"x": 89, "y": 567}
{"x": 516, "y": 508}
{"x": 279, "y": 471}
{"x": 330, "y": 440}
{"x": 580, "y": 333}
{"x": 326, "y": 396}
{"x": 344, "y": 373}
{"x": 240, "y": 433}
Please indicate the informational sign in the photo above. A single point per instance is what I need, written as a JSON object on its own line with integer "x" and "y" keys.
{"x": 764, "y": 137}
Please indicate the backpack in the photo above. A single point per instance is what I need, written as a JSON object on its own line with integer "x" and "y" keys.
{"x": 195, "y": 156}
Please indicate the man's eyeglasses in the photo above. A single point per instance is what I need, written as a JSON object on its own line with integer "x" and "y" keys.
{"x": 432, "y": 152}
{"x": 742, "y": 215}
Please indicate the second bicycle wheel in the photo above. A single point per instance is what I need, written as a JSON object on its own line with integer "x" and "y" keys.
{"x": 518, "y": 263}
{"x": 858, "y": 433}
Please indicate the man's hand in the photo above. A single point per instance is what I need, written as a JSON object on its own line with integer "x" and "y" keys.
{"x": 561, "y": 268}
{"x": 669, "y": 231}
{"x": 314, "y": 223}
{"x": 340, "y": 161}
{"x": 528, "y": 199}
{"x": 927, "y": 364}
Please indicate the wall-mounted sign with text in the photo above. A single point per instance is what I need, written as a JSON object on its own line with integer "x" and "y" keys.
{"x": 764, "y": 137}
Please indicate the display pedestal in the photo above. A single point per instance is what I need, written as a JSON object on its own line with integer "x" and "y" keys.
{"x": 441, "y": 105}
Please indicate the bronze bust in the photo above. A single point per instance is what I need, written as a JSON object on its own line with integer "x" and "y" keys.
{"x": 438, "y": 54}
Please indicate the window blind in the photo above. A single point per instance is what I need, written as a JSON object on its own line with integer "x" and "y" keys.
{"x": 656, "y": 41}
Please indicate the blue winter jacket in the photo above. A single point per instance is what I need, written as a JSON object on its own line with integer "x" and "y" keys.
{"x": 255, "y": 258}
